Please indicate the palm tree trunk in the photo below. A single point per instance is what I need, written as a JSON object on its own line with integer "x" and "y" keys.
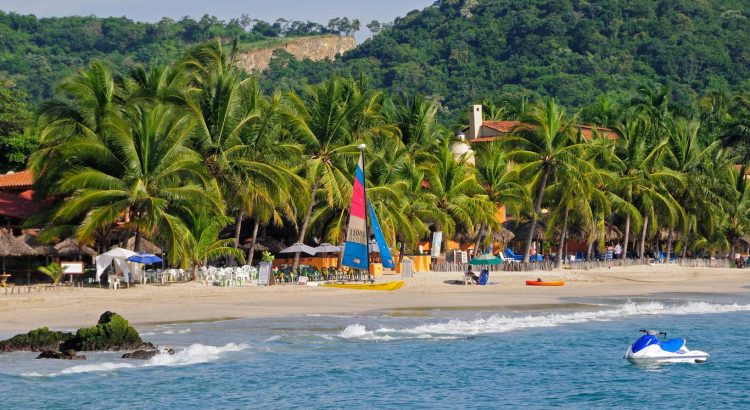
{"x": 563, "y": 234}
{"x": 627, "y": 237}
{"x": 251, "y": 251}
{"x": 669, "y": 245}
{"x": 478, "y": 239}
{"x": 537, "y": 209}
{"x": 642, "y": 250}
{"x": 237, "y": 231}
{"x": 589, "y": 250}
{"x": 305, "y": 222}
{"x": 136, "y": 243}
{"x": 732, "y": 246}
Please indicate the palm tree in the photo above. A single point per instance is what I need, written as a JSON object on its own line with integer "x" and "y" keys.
{"x": 544, "y": 141}
{"x": 92, "y": 94}
{"x": 150, "y": 178}
{"x": 236, "y": 135}
{"x": 644, "y": 178}
{"x": 500, "y": 180}
{"x": 456, "y": 199}
{"x": 202, "y": 244}
{"x": 328, "y": 120}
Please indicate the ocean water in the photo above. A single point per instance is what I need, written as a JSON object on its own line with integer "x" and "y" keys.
{"x": 568, "y": 356}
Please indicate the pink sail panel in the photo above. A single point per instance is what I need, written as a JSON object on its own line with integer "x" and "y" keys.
{"x": 355, "y": 248}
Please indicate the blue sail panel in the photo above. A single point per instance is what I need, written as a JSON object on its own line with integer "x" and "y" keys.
{"x": 355, "y": 255}
{"x": 385, "y": 252}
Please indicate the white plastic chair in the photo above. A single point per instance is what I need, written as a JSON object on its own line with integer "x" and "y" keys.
{"x": 114, "y": 281}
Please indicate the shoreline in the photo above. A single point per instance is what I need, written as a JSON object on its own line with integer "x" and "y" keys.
{"x": 148, "y": 306}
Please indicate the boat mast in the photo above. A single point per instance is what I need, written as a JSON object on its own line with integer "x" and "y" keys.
{"x": 367, "y": 207}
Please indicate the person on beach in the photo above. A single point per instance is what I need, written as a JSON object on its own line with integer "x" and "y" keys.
{"x": 608, "y": 256}
{"x": 470, "y": 274}
{"x": 618, "y": 251}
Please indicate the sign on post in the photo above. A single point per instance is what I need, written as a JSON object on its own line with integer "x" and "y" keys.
{"x": 437, "y": 242}
{"x": 264, "y": 274}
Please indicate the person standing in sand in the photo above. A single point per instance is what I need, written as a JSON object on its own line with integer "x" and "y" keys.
{"x": 618, "y": 251}
{"x": 608, "y": 256}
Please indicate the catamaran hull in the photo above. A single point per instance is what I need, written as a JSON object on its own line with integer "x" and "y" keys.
{"x": 367, "y": 286}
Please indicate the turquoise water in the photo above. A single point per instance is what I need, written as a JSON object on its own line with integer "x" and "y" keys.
{"x": 569, "y": 357}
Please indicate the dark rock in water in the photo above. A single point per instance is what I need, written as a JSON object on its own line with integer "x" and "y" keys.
{"x": 66, "y": 355}
{"x": 112, "y": 332}
{"x": 141, "y": 354}
{"x": 35, "y": 341}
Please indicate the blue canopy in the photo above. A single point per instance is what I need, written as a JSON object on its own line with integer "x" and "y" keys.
{"x": 144, "y": 258}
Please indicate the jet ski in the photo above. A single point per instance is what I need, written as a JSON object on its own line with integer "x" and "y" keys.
{"x": 648, "y": 348}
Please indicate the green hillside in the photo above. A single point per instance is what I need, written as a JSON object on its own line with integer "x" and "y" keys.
{"x": 575, "y": 50}
{"x": 37, "y": 53}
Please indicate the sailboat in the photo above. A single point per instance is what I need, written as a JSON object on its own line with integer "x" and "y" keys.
{"x": 356, "y": 248}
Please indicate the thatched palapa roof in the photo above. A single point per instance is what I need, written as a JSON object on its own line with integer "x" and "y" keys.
{"x": 522, "y": 230}
{"x": 71, "y": 247}
{"x": 40, "y": 249}
{"x": 12, "y": 246}
{"x": 146, "y": 246}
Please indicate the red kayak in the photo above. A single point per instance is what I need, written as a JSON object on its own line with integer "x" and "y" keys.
{"x": 545, "y": 283}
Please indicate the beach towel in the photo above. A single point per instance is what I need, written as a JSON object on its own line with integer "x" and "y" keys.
{"x": 484, "y": 277}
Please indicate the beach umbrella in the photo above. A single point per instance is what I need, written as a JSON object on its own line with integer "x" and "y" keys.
{"x": 41, "y": 249}
{"x": 145, "y": 258}
{"x": 327, "y": 248}
{"x": 486, "y": 259}
{"x": 299, "y": 247}
{"x": 12, "y": 246}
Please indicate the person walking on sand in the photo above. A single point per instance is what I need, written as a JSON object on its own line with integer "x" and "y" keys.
{"x": 608, "y": 256}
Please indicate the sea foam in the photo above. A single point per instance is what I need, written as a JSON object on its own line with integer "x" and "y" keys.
{"x": 193, "y": 354}
{"x": 500, "y": 323}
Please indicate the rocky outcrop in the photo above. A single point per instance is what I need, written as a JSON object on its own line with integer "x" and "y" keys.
{"x": 66, "y": 355}
{"x": 112, "y": 332}
{"x": 35, "y": 341}
{"x": 315, "y": 48}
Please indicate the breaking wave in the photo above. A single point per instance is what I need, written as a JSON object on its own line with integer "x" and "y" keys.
{"x": 500, "y": 323}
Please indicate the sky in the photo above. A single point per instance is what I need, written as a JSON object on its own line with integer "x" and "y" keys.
{"x": 268, "y": 10}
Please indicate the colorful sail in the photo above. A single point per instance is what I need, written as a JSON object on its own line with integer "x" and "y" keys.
{"x": 385, "y": 252}
{"x": 355, "y": 248}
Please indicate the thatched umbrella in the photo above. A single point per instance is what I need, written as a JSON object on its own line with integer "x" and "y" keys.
{"x": 12, "y": 246}
{"x": 522, "y": 230}
{"x": 259, "y": 247}
{"x": 271, "y": 244}
{"x": 146, "y": 246}
{"x": 503, "y": 235}
{"x": 41, "y": 249}
{"x": 71, "y": 247}
{"x": 611, "y": 232}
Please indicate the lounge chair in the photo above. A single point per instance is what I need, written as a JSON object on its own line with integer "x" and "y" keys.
{"x": 512, "y": 256}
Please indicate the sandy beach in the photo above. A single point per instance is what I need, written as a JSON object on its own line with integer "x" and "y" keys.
{"x": 151, "y": 304}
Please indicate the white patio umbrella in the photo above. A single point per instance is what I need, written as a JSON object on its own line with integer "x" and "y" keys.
{"x": 299, "y": 247}
{"x": 327, "y": 248}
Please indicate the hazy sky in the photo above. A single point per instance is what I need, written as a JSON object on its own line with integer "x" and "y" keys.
{"x": 268, "y": 10}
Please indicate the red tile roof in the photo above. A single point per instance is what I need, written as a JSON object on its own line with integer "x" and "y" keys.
{"x": 16, "y": 181}
{"x": 16, "y": 206}
{"x": 501, "y": 126}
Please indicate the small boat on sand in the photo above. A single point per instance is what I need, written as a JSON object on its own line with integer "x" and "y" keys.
{"x": 545, "y": 283}
{"x": 367, "y": 286}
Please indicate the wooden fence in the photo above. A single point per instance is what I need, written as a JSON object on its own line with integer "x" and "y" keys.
{"x": 585, "y": 265}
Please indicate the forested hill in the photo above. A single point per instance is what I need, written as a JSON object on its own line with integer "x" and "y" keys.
{"x": 36, "y": 54}
{"x": 466, "y": 51}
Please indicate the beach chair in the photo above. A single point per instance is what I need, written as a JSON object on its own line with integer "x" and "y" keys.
{"x": 114, "y": 281}
{"x": 512, "y": 256}
{"x": 302, "y": 280}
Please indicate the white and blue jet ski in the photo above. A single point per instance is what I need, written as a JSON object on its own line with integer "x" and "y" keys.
{"x": 648, "y": 348}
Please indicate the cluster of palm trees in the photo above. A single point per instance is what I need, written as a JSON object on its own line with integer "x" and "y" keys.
{"x": 185, "y": 154}
{"x": 663, "y": 172}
